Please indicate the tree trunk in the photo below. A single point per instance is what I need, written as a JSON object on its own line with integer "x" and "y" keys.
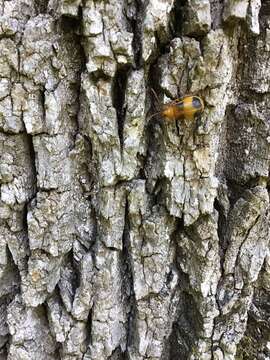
{"x": 125, "y": 236}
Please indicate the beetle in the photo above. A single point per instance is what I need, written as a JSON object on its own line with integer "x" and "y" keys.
{"x": 186, "y": 108}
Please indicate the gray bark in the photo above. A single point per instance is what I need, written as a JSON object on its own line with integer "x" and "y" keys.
{"x": 124, "y": 236}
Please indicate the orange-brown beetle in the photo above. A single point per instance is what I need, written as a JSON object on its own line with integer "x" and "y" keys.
{"x": 186, "y": 108}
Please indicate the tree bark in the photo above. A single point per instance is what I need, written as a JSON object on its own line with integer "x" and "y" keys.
{"x": 124, "y": 236}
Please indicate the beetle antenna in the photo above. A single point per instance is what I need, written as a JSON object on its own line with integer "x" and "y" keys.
{"x": 156, "y": 105}
{"x": 157, "y": 102}
{"x": 155, "y": 95}
{"x": 155, "y": 114}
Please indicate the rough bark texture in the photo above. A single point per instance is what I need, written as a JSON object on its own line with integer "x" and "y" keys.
{"x": 123, "y": 236}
